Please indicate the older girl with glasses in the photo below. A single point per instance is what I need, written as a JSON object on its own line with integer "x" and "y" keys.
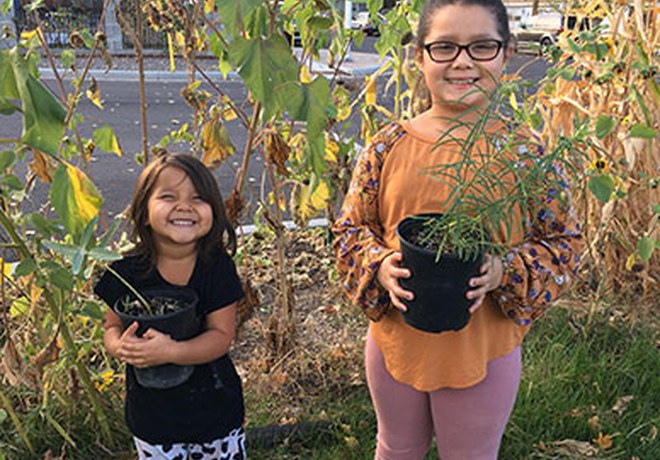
{"x": 457, "y": 385}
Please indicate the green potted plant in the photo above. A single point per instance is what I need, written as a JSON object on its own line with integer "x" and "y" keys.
{"x": 501, "y": 175}
{"x": 171, "y": 310}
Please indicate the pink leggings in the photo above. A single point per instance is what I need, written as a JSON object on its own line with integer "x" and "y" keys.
{"x": 468, "y": 423}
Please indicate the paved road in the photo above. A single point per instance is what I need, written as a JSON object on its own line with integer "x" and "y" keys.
{"x": 116, "y": 176}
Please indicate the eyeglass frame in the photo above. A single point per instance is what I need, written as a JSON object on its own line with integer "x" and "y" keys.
{"x": 460, "y": 48}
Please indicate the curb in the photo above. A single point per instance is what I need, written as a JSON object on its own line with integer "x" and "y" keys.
{"x": 182, "y": 76}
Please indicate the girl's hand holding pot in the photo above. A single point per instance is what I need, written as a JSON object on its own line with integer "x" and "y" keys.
{"x": 492, "y": 272}
{"x": 389, "y": 274}
{"x": 152, "y": 349}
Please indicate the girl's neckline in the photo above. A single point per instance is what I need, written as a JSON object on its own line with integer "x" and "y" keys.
{"x": 416, "y": 133}
{"x": 408, "y": 127}
{"x": 187, "y": 283}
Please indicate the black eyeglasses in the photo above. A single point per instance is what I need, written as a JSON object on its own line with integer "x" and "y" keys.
{"x": 481, "y": 50}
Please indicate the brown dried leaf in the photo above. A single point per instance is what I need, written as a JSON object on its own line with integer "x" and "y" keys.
{"x": 622, "y": 404}
{"x": 49, "y": 354}
{"x": 13, "y": 368}
{"x": 572, "y": 448}
{"x": 247, "y": 305}
{"x": 234, "y": 206}
{"x": 42, "y": 166}
{"x": 594, "y": 423}
{"x": 277, "y": 151}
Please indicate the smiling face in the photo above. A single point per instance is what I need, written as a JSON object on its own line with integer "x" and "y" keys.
{"x": 462, "y": 83}
{"x": 177, "y": 215}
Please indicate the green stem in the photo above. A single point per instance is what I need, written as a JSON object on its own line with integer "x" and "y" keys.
{"x": 134, "y": 291}
{"x": 6, "y": 403}
{"x": 82, "y": 370}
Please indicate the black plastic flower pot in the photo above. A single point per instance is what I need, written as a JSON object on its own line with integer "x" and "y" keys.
{"x": 181, "y": 324}
{"x": 439, "y": 285}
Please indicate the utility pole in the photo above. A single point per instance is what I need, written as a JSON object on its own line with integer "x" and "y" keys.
{"x": 535, "y": 7}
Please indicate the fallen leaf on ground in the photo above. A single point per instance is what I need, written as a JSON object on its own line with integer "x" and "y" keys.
{"x": 622, "y": 404}
{"x": 594, "y": 423}
{"x": 572, "y": 448}
{"x": 604, "y": 441}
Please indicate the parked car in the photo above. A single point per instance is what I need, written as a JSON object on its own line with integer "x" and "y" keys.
{"x": 370, "y": 28}
{"x": 360, "y": 20}
{"x": 542, "y": 30}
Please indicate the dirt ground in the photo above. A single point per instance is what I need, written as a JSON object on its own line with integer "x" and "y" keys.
{"x": 328, "y": 340}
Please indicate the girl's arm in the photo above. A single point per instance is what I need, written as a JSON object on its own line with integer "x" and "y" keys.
{"x": 212, "y": 343}
{"x": 115, "y": 337}
{"x": 112, "y": 333}
{"x": 155, "y": 348}
{"x": 359, "y": 245}
{"x": 539, "y": 270}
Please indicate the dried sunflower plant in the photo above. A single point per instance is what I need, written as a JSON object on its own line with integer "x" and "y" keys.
{"x": 602, "y": 98}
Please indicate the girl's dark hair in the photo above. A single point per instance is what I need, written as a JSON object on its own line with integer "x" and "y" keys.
{"x": 496, "y": 7}
{"x": 221, "y": 237}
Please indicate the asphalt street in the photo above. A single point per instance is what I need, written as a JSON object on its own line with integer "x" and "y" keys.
{"x": 116, "y": 176}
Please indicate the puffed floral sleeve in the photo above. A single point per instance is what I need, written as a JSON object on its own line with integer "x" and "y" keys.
{"x": 359, "y": 245}
{"x": 537, "y": 271}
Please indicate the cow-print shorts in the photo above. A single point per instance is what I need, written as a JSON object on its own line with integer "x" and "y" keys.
{"x": 231, "y": 447}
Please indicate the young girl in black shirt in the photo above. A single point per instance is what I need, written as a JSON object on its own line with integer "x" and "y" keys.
{"x": 182, "y": 238}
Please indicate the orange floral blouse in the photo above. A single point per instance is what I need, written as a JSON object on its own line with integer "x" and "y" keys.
{"x": 385, "y": 187}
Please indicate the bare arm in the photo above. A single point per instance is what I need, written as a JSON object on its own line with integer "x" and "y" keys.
{"x": 155, "y": 348}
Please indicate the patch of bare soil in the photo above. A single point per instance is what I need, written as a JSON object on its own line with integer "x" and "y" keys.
{"x": 328, "y": 341}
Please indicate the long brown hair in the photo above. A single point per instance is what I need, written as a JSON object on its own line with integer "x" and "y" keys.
{"x": 221, "y": 237}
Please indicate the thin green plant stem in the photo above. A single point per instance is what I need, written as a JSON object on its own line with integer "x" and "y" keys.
{"x": 134, "y": 291}
{"x": 15, "y": 420}
{"x": 83, "y": 371}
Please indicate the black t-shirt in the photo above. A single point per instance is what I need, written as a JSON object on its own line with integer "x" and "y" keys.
{"x": 210, "y": 403}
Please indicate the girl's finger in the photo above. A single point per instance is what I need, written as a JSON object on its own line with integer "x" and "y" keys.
{"x": 397, "y": 302}
{"x": 476, "y": 293}
{"x": 478, "y": 281}
{"x": 476, "y": 305}
{"x": 400, "y": 273}
{"x": 488, "y": 261}
{"x": 402, "y": 294}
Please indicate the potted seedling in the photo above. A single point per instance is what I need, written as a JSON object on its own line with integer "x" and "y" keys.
{"x": 171, "y": 310}
{"x": 500, "y": 176}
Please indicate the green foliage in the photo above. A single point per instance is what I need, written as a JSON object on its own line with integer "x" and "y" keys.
{"x": 43, "y": 115}
{"x": 498, "y": 180}
{"x": 602, "y": 186}
{"x": 234, "y": 13}
{"x": 265, "y": 64}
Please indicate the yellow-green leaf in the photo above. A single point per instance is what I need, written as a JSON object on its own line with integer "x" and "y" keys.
{"x": 370, "y": 90}
{"x": 216, "y": 144}
{"x": 75, "y": 198}
{"x": 312, "y": 198}
{"x": 93, "y": 93}
{"x": 170, "y": 51}
{"x": 107, "y": 141}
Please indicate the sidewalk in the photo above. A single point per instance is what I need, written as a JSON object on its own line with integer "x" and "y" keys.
{"x": 157, "y": 67}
